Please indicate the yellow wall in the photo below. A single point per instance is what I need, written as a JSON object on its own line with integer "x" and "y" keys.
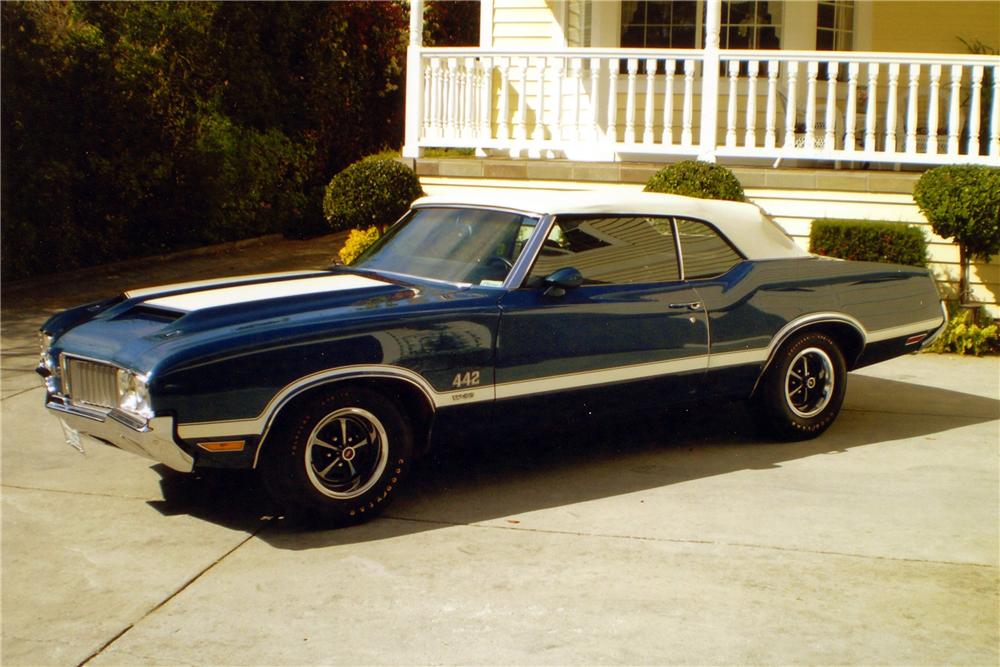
{"x": 934, "y": 26}
{"x": 525, "y": 23}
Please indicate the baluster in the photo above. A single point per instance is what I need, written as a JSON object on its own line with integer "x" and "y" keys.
{"x": 870, "y": 110}
{"x": 538, "y": 134}
{"x": 954, "y": 118}
{"x": 750, "y": 134}
{"x": 911, "y": 109}
{"x": 451, "y": 118}
{"x": 437, "y": 106}
{"x": 428, "y": 94}
{"x": 556, "y": 118}
{"x": 686, "y": 133}
{"x": 977, "y": 89}
{"x": 668, "y": 102}
{"x": 932, "y": 110}
{"x": 812, "y": 72}
{"x": 613, "y": 65}
{"x": 890, "y": 109}
{"x": 503, "y": 128}
{"x": 595, "y": 75}
{"x": 995, "y": 114}
{"x": 647, "y": 130}
{"x": 485, "y": 129}
{"x": 633, "y": 70}
{"x": 851, "y": 113}
{"x": 793, "y": 75}
{"x": 577, "y": 64}
{"x": 770, "y": 140}
{"x": 734, "y": 71}
{"x": 830, "y": 121}
{"x": 520, "y": 119}
{"x": 470, "y": 97}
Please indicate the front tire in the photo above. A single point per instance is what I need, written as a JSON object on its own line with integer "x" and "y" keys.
{"x": 802, "y": 391}
{"x": 341, "y": 457}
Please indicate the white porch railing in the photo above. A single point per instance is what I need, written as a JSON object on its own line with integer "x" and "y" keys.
{"x": 601, "y": 104}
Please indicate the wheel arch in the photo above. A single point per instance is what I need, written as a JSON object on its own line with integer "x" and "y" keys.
{"x": 847, "y": 332}
{"x": 414, "y": 399}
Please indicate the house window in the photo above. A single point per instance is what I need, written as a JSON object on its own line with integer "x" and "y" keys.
{"x": 661, "y": 24}
{"x": 747, "y": 24}
{"x": 835, "y": 25}
{"x": 755, "y": 24}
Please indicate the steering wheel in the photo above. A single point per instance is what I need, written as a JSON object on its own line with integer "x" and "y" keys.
{"x": 498, "y": 260}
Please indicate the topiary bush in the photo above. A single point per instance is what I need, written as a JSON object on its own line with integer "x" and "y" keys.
{"x": 963, "y": 203}
{"x": 376, "y": 190}
{"x": 869, "y": 241}
{"x": 357, "y": 242}
{"x": 691, "y": 178}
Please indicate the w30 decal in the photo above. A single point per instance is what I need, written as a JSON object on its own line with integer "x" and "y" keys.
{"x": 468, "y": 379}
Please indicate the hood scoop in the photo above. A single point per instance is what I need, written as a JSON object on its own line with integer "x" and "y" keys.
{"x": 150, "y": 313}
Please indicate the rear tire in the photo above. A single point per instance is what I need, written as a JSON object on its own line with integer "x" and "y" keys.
{"x": 341, "y": 457}
{"x": 802, "y": 391}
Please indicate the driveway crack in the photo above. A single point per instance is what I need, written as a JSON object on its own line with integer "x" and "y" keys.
{"x": 177, "y": 592}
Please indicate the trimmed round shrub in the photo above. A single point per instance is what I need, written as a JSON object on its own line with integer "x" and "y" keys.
{"x": 963, "y": 203}
{"x": 374, "y": 191}
{"x": 703, "y": 180}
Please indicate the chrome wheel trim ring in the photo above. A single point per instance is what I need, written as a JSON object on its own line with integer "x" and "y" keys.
{"x": 809, "y": 382}
{"x": 350, "y": 440}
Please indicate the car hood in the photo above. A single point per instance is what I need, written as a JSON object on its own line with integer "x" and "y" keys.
{"x": 146, "y": 326}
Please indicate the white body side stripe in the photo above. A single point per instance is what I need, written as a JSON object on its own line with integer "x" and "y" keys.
{"x": 444, "y": 399}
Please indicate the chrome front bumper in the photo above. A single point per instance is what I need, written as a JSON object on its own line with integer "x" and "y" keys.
{"x": 153, "y": 439}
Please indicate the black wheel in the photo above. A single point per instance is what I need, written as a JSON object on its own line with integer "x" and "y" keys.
{"x": 341, "y": 457}
{"x": 801, "y": 393}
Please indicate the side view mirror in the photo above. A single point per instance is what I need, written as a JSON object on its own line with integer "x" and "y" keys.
{"x": 557, "y": 282}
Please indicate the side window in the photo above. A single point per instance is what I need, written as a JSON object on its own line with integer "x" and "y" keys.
{"x": 609, "y": 250}
{"x": 705, "y": 253}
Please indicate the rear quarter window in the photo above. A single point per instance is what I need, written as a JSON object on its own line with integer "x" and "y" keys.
{"x": 705, "y": 252}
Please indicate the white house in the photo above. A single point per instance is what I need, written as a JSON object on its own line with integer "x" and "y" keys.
{"x": 839, "y": 102}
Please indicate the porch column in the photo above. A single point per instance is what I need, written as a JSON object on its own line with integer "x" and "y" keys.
{"x": 414, "y": 82}
{"x": 710, "y": 82}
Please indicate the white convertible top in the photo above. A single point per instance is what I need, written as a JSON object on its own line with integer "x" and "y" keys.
{"x": 745, "y": 225}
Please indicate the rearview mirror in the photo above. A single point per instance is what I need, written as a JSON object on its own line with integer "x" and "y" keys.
{"x": 557, "y": 282}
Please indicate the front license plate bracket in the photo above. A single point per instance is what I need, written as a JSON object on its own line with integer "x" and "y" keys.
{"x": 72, "y": 436}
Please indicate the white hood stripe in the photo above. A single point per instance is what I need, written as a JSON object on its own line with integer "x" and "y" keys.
{"x": 261, "y": 291}
{"x": 215, "y": 282}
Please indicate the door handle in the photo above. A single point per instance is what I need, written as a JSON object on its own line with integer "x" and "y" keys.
{"x": 693, "y": 305}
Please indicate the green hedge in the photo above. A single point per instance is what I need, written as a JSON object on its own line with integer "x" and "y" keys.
{"x": 869, "y": 241}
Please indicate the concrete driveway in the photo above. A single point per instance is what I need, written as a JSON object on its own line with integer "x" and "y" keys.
{"x": 673, "y": 539}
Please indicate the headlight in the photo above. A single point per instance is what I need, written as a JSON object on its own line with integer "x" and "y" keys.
{"x": 133, "y": 394}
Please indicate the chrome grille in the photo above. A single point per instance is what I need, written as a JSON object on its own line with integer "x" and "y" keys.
{"x": 91, "y": 383}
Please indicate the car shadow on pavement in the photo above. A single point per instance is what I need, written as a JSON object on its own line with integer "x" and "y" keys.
{"x": 458, "y": 484}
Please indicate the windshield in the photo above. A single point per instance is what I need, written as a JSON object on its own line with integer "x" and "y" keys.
{"x": 457, "y": 245}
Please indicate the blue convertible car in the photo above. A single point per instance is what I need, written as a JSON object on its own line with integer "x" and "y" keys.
{"x": 476, "y": 311}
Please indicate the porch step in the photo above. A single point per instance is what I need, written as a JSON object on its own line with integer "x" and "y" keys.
{"x": 785, "y": 178}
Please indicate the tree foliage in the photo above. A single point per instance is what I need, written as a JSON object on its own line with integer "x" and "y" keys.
{"x": 130, "y": 128}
